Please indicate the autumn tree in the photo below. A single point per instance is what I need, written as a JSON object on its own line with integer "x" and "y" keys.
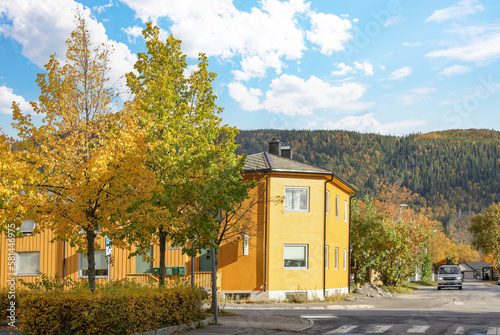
{"x": 393, "y": 248}
{"x": 485, "y": 231}
{"x": 82, "y": 169}
{"x": 191, "y": 152}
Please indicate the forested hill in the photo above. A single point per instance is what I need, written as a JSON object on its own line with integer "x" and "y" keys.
{"x": 453, "y": 171}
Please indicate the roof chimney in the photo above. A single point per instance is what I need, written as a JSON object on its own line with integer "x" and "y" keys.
{"x": 287, "y": 152}
{"x": 275, "y": 147}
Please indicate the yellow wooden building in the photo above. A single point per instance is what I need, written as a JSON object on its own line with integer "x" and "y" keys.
{"x": 300, "y": 245}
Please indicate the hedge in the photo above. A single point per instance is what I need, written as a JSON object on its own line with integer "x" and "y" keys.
{"x": 112, "y": 312}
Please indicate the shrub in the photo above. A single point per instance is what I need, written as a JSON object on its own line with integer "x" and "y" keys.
{"x": 114, "y": 309}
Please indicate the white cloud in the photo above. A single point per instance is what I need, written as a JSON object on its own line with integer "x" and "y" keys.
{"x": 480, "y": 48}
{"x": 7, "y": 96}
{"x": 291, "y": 95}
{"x": 344, "y": 69}
{"x": 365, "y": 66}
{"x": 455, "y": 69}
{"x": 329, "y": 31}
{"x": 400, "y": 73}
{"x": 132, "y": 33}
{"x": 42, "y": 27}
{"x": 465, "y": 7}
{"x": 247, "y": 98}
{"x": 100, "y": 9}
{"x": 393, "y": 20}
{"x": 414, "y": 44}
{"x": 262, "y": 36}
{"x": 415, "y": 96}
{"x": 368, "y": 124}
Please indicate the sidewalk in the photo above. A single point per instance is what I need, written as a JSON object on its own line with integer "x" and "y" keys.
{"x": 256, "y": 325}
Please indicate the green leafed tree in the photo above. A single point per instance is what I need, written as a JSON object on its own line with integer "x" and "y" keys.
{"x": 191, "y": 152}
{"x": 485, "y": 231}
{"x": 82, "y": 170}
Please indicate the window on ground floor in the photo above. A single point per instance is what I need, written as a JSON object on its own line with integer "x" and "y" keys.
{"x": 336, "y": 258}
{"x": 295, "y": 256}
{"x": 27, "y": 263}
{"x": 142, "y": 265}
{"x": 101, "y": 266}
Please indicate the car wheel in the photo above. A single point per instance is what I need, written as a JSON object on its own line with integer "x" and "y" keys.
{"x": 439, "y": 288}
{"x": 460, "y": 287}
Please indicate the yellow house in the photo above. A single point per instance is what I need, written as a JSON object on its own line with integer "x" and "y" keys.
{"x": 301, "y": 244}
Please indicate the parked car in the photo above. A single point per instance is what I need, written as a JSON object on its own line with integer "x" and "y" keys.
{"x": 449, "y": 276}
{"x": 498, "y": 281}
{"x": 479, "y": 276}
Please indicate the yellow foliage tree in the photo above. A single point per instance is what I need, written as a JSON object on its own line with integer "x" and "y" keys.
{"x": 82, "y": 170}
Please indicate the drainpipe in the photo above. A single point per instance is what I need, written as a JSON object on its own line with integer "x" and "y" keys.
{"x": 64, "y": 261}
{"x": 265, "y": 232}
{"x": 349, "y": 246}
{"x": 324, "y": 239}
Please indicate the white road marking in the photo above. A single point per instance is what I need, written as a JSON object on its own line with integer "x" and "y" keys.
{"x": 493, "y": 331}
{"x": 418, "y": 329}
{"x": 379, "y": 329}
{"x": 460, "y": 330}
{"x": 319, "y": 316}
{"x": 342, "y": 330}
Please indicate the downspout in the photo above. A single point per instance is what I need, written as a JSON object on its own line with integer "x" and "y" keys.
{"x": 64, "y": 261}
{"x": 265, "y": 231}
{"x": 324, "y": 239}
{"x": 349, "y": 246}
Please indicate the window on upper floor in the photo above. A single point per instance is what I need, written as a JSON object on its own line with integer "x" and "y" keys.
{"x": 101, "y": 266}
{"x": 27, "y": 227}
{"x": 295, "y": 256}
{"x": 27, "y": 263}
{"x": 337, "y": 206}
{"x": 245, "y": 245}
{"x": 296, "y": 199}
{"x": 345, "y": 211}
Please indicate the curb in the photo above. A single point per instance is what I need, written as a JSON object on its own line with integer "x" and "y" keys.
{"x": 175, "y": 329}
{"x": 311, "y": 324}
{"x": 302, "y": 307}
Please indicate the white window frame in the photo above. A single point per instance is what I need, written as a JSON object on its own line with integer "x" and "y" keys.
{"x": 306, "y": 249}
{"x": 327, "y": 202}
{"x": 336, "y": 258}
{"x": 27, "y": 227}
{"x": 345, "y": 259}
{"x": 307, "y": 202}
{"x": 245, "y": 245}
{"x": 37, "y": 271}
{"x": 337, "y": 205}
{"x": 326, "y": 257}
{"x": 345, "y": 211}
{"x": 80, "y": 269}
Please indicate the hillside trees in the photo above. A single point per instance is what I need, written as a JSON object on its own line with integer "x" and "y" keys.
{"x": 191, "y": 152}
{"x": 485, "y": 231}
{"x": 82, "y": 169}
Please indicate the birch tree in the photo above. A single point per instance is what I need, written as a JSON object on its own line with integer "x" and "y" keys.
{"x": 81, "y": 170}
{"x": 191, "y": 152}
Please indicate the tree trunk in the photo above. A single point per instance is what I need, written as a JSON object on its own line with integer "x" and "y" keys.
{"x": 163, "y": 246}
{"x": 91, "y": 258}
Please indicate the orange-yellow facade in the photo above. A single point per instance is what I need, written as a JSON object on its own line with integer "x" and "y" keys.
{"x": 299, "y": 245}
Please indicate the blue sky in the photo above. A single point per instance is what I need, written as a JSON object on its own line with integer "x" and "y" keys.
{"x": 389, "y": 67}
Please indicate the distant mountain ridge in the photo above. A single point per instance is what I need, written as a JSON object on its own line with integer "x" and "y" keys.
{"x": 453, "y": 171}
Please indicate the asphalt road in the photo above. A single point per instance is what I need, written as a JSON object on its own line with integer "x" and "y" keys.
{"x": 473, "y": 310}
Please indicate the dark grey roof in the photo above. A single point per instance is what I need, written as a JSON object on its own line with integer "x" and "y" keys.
{"x": 479, "y": 265}
{"x": 264, "y": 161}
